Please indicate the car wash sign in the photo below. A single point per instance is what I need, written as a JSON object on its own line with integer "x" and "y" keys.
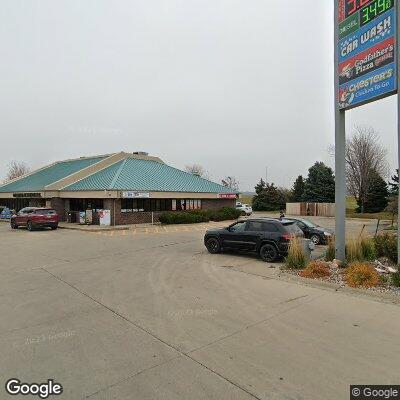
{"x": 366, "y": 51}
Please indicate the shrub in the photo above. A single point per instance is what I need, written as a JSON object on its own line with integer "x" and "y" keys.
{"x": 361, "y": 275}
{"x": 396, "y": 279}
{"x": 316, "y": 269}
{"x": 330, "y": 254}
{"x": 386, "y": 246}
{"x": 183, "y": 217}
{"x": 224, "y": 214}
{"x": 196, "y": 216}
{"x": 384, "y": 280}
{"x": 296, "y": 257}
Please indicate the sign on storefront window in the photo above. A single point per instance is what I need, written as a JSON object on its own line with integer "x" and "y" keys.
{"x": 135, "y": 195}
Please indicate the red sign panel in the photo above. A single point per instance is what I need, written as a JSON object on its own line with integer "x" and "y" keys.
{"x": 227, "y": 196}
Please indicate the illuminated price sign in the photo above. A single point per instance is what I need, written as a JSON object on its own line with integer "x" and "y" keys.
{"x": 352, "y": 6}
{"x": 373, "y": 10}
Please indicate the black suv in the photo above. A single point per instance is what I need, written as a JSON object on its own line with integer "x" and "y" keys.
{"x": 267, "y": 237}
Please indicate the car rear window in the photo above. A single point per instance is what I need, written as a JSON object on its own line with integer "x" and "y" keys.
{"x": 261, "y": 226}
{"x": 45, "y": 212}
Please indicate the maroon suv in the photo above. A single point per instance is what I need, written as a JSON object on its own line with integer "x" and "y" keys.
{"x": 34, "y": 217}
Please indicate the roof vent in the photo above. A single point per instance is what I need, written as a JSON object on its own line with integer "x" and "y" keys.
{"x": 141, "y": 153}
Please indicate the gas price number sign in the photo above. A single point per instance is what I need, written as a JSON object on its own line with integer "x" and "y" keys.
{"x": 367, "y": 51}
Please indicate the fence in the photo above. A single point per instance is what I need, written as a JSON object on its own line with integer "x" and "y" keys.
{"x": 314, "y": 209}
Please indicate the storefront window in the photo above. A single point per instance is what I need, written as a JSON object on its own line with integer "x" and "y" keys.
{"x": 86, "y": 204}
{"x": 140, "y": 205}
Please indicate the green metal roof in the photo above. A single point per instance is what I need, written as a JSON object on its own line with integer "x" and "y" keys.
{"x": 146, "y": 175}
{"x": 38, "y": 180}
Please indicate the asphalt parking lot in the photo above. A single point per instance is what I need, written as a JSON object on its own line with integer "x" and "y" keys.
{"x": 154, "y": 316}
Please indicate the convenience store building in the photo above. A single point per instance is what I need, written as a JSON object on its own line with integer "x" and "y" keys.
{"x": 133, "y": 187}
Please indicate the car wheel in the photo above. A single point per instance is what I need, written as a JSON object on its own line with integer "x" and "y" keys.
{"x": 213, "y": 246}
{"x": 53, "y": 228}
{"x": 268, "y": 253}
{"x": 14, "y": 224}
{"x": 315, "y": 239}
{"x": 29, "y": 226}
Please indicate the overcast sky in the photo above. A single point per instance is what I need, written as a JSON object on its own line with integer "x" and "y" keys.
{"x": 233, "y": 85}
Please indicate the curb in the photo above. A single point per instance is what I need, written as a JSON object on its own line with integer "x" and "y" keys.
{"x": 82, "y": 229}
{"x": 378, "y": 296}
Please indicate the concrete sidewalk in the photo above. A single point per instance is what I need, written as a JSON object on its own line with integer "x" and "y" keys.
{"x": 144, "y": 227}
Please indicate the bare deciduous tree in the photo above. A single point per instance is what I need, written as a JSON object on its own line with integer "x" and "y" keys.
{"x": 16, "y": 169}
{"x": 198, "y": 170}
{"x": 364, "y": 157}
{"x": 231, "y": 183}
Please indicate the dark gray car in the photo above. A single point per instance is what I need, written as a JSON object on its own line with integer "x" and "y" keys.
{"x": 317, "y": 234}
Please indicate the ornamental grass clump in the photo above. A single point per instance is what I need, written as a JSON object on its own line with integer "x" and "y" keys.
{"x": 354, "y": 251}
{"x": 296, "y": 257}
{"x": 368, "y": 249}
{"x": 316, "y": 269}
{"x": 330, "y": 254}
{"x": 361, "y": 275}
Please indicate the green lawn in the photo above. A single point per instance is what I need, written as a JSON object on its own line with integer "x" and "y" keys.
{"x": 351, "y": 205}
{"x": 381, "y": 215}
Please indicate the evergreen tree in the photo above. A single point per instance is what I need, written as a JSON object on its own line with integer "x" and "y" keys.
{"x": 377, "y": 195}
{"x": 298, "y": 189}
{"x": 260, "y": 186}
{"x": 267, "y": 198}
{"x": 320, "y": 184}
{"x": 394, "y": 185}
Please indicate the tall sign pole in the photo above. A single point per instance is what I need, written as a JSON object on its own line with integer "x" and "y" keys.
{"x": 340, "y": 144}
{"x": 366, "y": 70}
{"x": 398, "y": 126}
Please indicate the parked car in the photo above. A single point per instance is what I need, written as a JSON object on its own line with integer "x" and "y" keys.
{"x": 245, "y": 209}
{"x": 316, "y": 233}
{"x": 265, "y": 236}
{"x": 35, "y": 217}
